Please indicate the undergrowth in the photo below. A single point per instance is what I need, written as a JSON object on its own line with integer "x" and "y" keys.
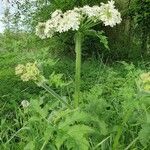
{"x": 112, "y": 113}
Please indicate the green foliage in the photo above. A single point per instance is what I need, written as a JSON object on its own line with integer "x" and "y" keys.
{"x": 19, "y": 41}
{"x": 111, "y": 112}
{"x": 58, "y": 129}
{"x": 144, "y": 135}
{"x": 99, "y": 34}
{"x": 139, "y": 12}
{"x": 56, "y": 80}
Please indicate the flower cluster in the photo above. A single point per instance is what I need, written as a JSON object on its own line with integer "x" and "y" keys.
{"x": 28, "y": 72}
{"x": 40, "y": 29}
{"x": 109, "y": 15}
{"x": 145, "y": 81}
{"x": 91, "y": 12}
{"x": 73, "y": 19}
{"x": 25, "y": 103}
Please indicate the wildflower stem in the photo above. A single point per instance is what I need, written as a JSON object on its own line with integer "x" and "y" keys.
{"x": 103, "y": 141}
{"x": 78, "y": 42}
{"x": 54, "y": 94}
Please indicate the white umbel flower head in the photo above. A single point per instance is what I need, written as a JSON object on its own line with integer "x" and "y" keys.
{"x": 40, "y": 30}
{"x": 56, "y": 13}
{"x": 88, "y": 11}
{"x": 70, "y": 20}
{"x": 91, "y": 11}
{"x": 49, "y": 29}
{"x": 53, "y": 23}
{"x": 25, "y": 104}
{"x": 109, "y": 15}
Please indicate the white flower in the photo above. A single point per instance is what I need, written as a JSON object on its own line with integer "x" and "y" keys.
{"x": 53, "y": 23}
{"x": 87, "y": 10}
{"x": 56, "y": 13}
{"x": 40, "y": 30}
{"x": 78, "y": 10}
{"x": 49, "y": 29}
{"x": 25, "y": 104}
{"x": 91, "y": 11}
{"x": 109, "y": 15}
{"x": 70, "y": 20}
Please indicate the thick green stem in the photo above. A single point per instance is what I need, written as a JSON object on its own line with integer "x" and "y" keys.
{"x": 54, "y": 94}
{"x": 78, "y": 41}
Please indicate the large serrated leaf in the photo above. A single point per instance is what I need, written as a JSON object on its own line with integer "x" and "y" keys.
{"x": 77, "y": 116}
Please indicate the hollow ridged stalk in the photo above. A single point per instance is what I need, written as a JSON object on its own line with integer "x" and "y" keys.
{"x": 78, "y": 41}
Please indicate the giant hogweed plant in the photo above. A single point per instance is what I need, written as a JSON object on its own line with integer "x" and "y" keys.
{"x": 81, "y": 21}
